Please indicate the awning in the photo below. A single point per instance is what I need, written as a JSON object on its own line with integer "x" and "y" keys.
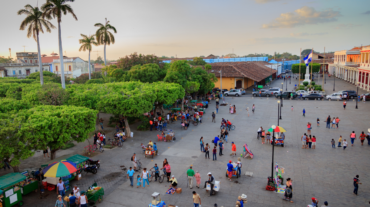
{"x": 11, "y": 179}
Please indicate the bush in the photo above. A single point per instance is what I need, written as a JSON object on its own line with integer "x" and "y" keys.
{"x": 318, "y": 87}
{"x": 305, "y": 83}
{"x": 144, "y": 124}
{"x": 95, "y": 81}
{"x": 37, "y": 75}
{"x": 315, "y": 66}
{"x": 85, "y": 77}
{"x": 301, "y": 87}
{"x": 68, "y": 145}
{"x": 313, "y": 83}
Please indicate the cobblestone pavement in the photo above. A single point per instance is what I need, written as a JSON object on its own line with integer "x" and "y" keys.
{"x": 324, "y": 173}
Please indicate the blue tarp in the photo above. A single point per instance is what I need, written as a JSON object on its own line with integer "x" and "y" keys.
{"x": 226, "y": 60}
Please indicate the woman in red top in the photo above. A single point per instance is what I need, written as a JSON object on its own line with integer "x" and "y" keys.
{"x": 362, "y": 137}
{"x": 313, "y": 142}
{"x": 309, "y": 127}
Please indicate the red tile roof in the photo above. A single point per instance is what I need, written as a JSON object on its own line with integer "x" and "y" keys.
{"x": 49, "y": 59}
{"x": 256, "y": 71}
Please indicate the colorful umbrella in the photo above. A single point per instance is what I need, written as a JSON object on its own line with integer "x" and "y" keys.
{"x": 277, "y": 129}
{"x": 59, "y": 169}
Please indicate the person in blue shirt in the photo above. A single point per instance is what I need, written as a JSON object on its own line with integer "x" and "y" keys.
{"x": 304, "y": 112}
{"x": 230, "y": 169}
{"x": 221, "y": 146}
{"x": 72, "y": 200}
{"x": 216, "y": 140}
{"x": 156, "y": 168}
{"x": 130, "y": 175}
{"x": 155, "y": 148}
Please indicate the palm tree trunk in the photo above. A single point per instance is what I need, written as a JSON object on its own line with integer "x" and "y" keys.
{"x": 89, "y": 67}
{"x": 61, "y": 56}
{"x": 105, "y": 58}
{"x": 40, "y": 62}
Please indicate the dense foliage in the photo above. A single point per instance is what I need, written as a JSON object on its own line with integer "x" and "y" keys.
{"x": 127, "y": 62}
{"x": 315, "y": 68}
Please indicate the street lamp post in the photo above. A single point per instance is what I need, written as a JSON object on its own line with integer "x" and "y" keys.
{"x": 279, "y": 111}
{"x": 281, "y": 97}
{"x": 286, "y": 85}
{"x": 273, "y": 148}
{"x": 290, "y": 77}
{"x": 357, "y": 95}
{"x": 334, "y": 81}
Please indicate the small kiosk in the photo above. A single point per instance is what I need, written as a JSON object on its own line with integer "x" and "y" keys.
{"x": 12, "y": 193}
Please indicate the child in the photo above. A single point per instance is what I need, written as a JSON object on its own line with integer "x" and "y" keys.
{"x": 138, "y": 181}
{"x": 292, "y": 108}
{"x": 214, "y": 153}
{"x": 332, "y": 143}
{"x": 345, "y": 144}
{"x": 340, "y": 141}
{"x": 318, "y": 122}
{"x": 304, "y": 112}
{"x": 268, "y": 137}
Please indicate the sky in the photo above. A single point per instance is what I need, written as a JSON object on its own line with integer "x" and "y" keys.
{"x": 188, "y": 28}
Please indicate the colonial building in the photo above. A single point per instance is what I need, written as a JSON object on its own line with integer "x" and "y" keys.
{"x": 25, "y": 64}
{"x": 73, "y": 67}
{"x": 346, "y": 64}
{"x": 242, "y": 74}
{"x": 364, "y": 68}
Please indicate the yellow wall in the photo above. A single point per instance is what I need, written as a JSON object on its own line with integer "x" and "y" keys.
{"x": 66, "y": 66}
{"x": 248, "y": 82}
{"x": 227, "y": 83}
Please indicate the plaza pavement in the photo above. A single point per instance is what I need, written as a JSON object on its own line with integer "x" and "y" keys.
{"x": 324, "y": 173}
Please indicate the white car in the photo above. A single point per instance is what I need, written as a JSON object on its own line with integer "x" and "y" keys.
{"x": 233, "y": 92}
{"x": 334, "y": 96}
{"x": 303, "y": 92}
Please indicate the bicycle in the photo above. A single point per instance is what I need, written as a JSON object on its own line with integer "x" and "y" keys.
{"x": 115, "y": 142}
{"x": 152, "y": 174}
{"x": 138, "y": 165}
{"x": 97, "y": 147}
{"x": 232, "y": 127}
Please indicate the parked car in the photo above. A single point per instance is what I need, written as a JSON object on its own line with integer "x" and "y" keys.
{"x": 233, "y": 92}
{"x": 287, "y": 94}
{"x": 334, "y": 96}
{"x": 313, "y": 96}
{"x": 243, "y": 91}
{"x": 303, "y": 92}
{"x": 318, "y": 92}
{"x": 351, "y": 94}
{"x": 367, "y": 96}
{"x": 264, "y": 92}
{"x": 274, "y": 91}
{"x": 217, "y": 89}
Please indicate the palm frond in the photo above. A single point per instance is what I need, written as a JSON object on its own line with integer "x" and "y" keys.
{"x": 69, "y": 9}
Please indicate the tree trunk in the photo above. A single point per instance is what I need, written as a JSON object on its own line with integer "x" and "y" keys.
{"x": 16, "y": 168}
{"x": 61, "y": 56}
{"x": 182, "y": 103}
{"x": 52, "y": 154}
{"x": 40, "y": 62}
{"x": 105, "y": 58}
{"x": 89, "y": 67}
{"x": 162, "y": 110}
{"x": 128, "y": 130}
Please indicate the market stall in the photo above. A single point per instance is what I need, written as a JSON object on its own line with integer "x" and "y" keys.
{"x": 29, "y": 185}
{"x": 95, "y": 194}
{"x": 11, "y": 192}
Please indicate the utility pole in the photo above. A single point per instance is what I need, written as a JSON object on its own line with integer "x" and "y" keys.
{"x": 24, "y": 48}
{"x": 323, "y": 71}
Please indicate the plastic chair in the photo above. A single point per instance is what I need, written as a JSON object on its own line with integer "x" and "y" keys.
{"x": 160, "y": 138}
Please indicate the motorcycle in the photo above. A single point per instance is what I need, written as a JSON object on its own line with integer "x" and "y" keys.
{"x": 91, "y": 168}
{"x": 92, "y": 162}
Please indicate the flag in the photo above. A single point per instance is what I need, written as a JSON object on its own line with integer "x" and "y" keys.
{"x": 308, "y": 58}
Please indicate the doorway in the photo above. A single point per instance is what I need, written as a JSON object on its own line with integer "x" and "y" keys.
{"x": 28, "y": 71}
{"x": 239, "y": 83}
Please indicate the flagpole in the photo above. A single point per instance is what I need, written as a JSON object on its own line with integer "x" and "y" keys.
{"x": 323, "y": 71}
{"x": 300, "y": 62}
{"x": 311, "y": 65}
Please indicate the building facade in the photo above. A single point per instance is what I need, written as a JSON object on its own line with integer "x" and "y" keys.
{"x": 346, "y": 65}
{"x": 364, "y": 68}
{"x": 73, "y": 67}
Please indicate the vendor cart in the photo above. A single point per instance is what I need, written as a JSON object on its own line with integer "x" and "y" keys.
{"x": 157, "y": 201}
{"x": 150, "y": 152}
{"x": 95, "y": 194}
{"x": 235, "y": 171}
{"x": 11, "y": 192}
{"x": 279, "y": 142}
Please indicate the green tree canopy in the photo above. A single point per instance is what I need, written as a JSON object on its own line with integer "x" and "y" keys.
{"x": 147, "y": 73}
{"x": 205, "y": 79}
{"x": 315, "y": 68}
{"x": 127, "y": 62}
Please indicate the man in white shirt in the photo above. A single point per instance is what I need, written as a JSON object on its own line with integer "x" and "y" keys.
{"x": 60, "y": 188}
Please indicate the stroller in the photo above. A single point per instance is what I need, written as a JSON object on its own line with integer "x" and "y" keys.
{"x": 247, "y": 152}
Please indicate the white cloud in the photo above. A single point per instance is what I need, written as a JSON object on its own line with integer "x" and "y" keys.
{"x": 302, "y": 16}
{"x": 278, "y": 40}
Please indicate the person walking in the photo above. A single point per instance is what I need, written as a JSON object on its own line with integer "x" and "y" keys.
{"x": 318, "y": 122}
{"x": 353, "y": 137}
{"x": 362, "y": 138}
{"x": 221, "y": 145}
{"x": 230, "y": 169}
{"x": 226, "y": 133}
{"x": 332, "y": 143}
{"x": 344, "y": 104}
{"x": 59, "y": 202}
{"x": 196, "y": 199}
{"x": 239, "y": 165}
{"x": 345, "y": 144}
{"x": 130, "y": 175}
{"x": 333, "y": 123}
{"x": 304, "y": 112}
{"x": 72, "y": 200}
{"x": 206, "y": 150}
{"x": 315, "y": 202}
{"x": 288, "y": 195}
{"x": 310, "y": 142}
{"x": 217, "y": 109}
{"x": 133, "y": 160}
{"x": 138, "y": 181}
{"x": 356, "y": 181}
{"x": 233, "y": 149}
{"x": 151, "y": 124}
{"x": 213, "y": 117}
{"x": 340, "y": 141}
{"x": 201, "y": 144}
{"x": 337, "y": 121}
{"x": 214, "y": 152}
{"x": 190, "y": 174}
{"x": 145, "y": 176}
{"x": 83, "y": 201}
{"x": 253, "y": 108}
{"x": 61, "y": 188}
{"x": 303, "y": 139}
{"x": 101, "y": 123}
{"x": 328, "y": 122}
{"x": 309, "y": 127}
{"x": 197, "y": 178}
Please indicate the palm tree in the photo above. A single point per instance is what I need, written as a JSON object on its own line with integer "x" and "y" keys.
{"x": 86, "y": 44}
{"x": 55, "y": 9}
{"x": 104, "y": 36}
{"x": 35, "y": 22}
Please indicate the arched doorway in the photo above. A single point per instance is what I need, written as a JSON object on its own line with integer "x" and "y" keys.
{"x": 239, "y": 83}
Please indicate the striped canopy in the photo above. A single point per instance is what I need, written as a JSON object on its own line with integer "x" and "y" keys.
{"x": 60, "y": 169}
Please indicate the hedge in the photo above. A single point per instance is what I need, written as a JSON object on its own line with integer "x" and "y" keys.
{"x": 315, "y": 66}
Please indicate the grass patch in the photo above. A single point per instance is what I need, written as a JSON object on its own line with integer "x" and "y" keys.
{"x": 68, "y": 145}
{"x": 108, "y": 146}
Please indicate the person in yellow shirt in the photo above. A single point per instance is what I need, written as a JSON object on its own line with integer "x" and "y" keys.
{"x": 150, "y": 143}
{"x": 173, "y": 181}
{"x": 340, "y": 141}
